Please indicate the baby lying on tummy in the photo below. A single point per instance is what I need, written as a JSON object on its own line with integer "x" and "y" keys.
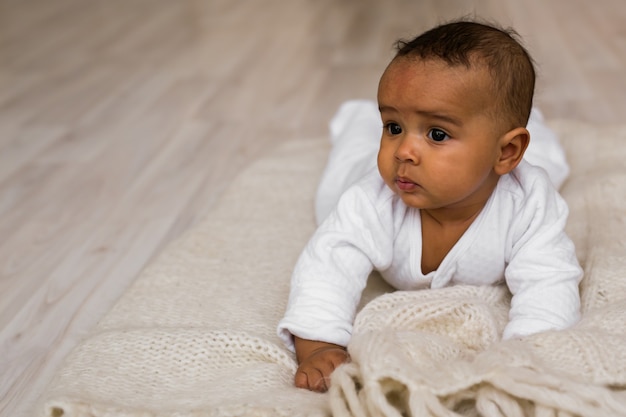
{"x": 448, "y": 201}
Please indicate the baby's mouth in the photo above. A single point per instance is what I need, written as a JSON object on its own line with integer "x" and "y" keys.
{"x": 405, "y": 184}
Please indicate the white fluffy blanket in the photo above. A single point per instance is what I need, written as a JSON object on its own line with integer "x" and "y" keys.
{"x": 195, "y": 334}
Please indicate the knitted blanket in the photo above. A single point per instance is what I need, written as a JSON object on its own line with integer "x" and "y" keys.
{"x": 195, "y": 334}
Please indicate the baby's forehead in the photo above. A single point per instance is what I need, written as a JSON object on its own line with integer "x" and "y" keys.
{"x": 474, "y": 77}
{"x": 469, "y": 89}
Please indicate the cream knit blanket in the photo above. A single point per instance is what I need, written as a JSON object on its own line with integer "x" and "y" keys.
{"x": 195, "y": 334}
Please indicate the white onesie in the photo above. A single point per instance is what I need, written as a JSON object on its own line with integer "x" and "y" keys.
{"x": 517, "y": 238}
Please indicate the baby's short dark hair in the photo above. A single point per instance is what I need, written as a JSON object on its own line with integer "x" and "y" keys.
{"x": 471, "y": 43}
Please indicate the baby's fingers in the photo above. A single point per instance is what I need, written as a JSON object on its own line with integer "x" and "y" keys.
{"x": 314, "y": 373}
{"x": 314, "y": 378}
{"x": 301, "y": 379}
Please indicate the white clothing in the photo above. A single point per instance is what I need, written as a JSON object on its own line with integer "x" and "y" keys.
{"x": 518, "y": 238}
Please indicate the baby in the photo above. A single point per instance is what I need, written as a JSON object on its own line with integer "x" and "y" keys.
{"x": 452, "y": 201}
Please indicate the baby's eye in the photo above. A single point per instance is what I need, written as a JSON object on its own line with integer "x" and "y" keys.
{"x": 393, "y": 128}
{"x": 438, "y": 135}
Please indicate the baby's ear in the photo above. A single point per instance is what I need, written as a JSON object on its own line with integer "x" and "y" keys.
{"x": 512, "y": 144}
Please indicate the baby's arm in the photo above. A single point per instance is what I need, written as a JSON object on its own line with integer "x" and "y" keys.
{"x": 316, "y": 361}
{"x": 329, "y": 277}
{"x": 543, "y": 273}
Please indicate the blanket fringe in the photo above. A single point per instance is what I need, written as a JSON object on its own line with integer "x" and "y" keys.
{"x": 483, "y": 386}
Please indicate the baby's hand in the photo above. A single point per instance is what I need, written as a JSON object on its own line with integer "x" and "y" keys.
{"x": 317, "y": 361}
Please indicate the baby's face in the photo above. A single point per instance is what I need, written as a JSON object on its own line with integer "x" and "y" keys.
{"x": 440, "y": 140}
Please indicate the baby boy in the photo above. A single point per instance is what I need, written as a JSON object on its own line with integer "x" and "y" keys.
{"x": 450, "y": 201}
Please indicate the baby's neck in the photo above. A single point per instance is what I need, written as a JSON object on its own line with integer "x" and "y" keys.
{"x": 441, "y": 230}
{"x": 464, "y": 212}
{"x": 439, "y": 237}
{"x": 453, "y": 217}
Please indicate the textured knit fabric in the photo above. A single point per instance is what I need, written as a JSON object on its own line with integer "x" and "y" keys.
{"x": 195, "y": 334}
{"x": 519, "y": 235}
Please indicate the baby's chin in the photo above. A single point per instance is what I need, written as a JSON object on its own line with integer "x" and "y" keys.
{"x": 414, "y": 201}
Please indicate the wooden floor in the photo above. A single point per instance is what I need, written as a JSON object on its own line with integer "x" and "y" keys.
{"x": 121, "y": 122}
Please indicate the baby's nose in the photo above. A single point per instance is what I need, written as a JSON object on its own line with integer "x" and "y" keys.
{"x": 407, "y": 150}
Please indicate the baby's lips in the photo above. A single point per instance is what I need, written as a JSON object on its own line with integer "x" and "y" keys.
{"x": 405, "y": 184}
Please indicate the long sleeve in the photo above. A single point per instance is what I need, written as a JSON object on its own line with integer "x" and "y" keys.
{"x": 543, "y": 273}
{"x": 332, "y": 270}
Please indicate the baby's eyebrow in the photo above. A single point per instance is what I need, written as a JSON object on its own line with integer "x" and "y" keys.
{"x": 440, "y": 116}
{"x": 426, "y": 113}
{"x": 385, "y": 108}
